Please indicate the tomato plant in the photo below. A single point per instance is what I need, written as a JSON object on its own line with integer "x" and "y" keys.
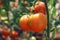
{"x": 35, "y": 22}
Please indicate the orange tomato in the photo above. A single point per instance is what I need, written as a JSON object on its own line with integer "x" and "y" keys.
{"x": 38, "y": 22}
{"x": 40, "y": 7}
{"x": 24, "y": 22}
{"x": 35, "y": 22}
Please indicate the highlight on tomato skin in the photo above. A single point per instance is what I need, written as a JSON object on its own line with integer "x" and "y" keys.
{"x": 24, "y": 23}
{"x": 40, "y": 7}
{"x": 38, "y": 22}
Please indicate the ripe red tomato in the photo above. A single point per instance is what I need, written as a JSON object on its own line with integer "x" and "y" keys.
{"x": 14, "y": 34}
{"x": 5, "y": 33}
{"x": 24, "y": 23}
{"x": 38, "y": 22}
{"x": 40, "y": 7}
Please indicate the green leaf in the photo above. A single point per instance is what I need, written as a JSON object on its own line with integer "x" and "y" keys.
{"x": 50, "y": 2}
{"x": 30, "y": 1}
{"x": 6, "y": 4}
{"x": 54, "y": 2}
{"x": 54, "y": 32}
{"x": 54, "y": 11}
{"x": 12, "y": 0}
{"x": 59, "y": 18}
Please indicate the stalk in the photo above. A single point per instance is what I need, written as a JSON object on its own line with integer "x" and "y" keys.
{"x": 48, "y": 23}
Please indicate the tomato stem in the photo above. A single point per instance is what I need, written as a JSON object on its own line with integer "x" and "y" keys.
{"x": 48, "y": 26}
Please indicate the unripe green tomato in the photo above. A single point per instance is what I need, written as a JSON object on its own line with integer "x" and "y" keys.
{"x": 3, "y": 12}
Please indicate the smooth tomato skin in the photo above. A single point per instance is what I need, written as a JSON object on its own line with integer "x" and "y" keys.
{"x": 40, "y": 7}
{"x": 38, "y": 22}
{"x": 6, "y": 33}
{"x": 14, "y": 34}
{"x": 24, "y": 23}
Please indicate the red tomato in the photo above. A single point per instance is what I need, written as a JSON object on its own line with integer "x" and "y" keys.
{"x": 24, "y": 23}
{"x": 6, "y": 33}
{"x": 40, "y": 7}
{"x": 14, "y": 34}
{"x": 38, "y": 22}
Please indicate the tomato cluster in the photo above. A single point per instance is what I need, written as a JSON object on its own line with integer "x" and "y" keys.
{"x": 35, "y": 22}
{"x": 7, "y": 33}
